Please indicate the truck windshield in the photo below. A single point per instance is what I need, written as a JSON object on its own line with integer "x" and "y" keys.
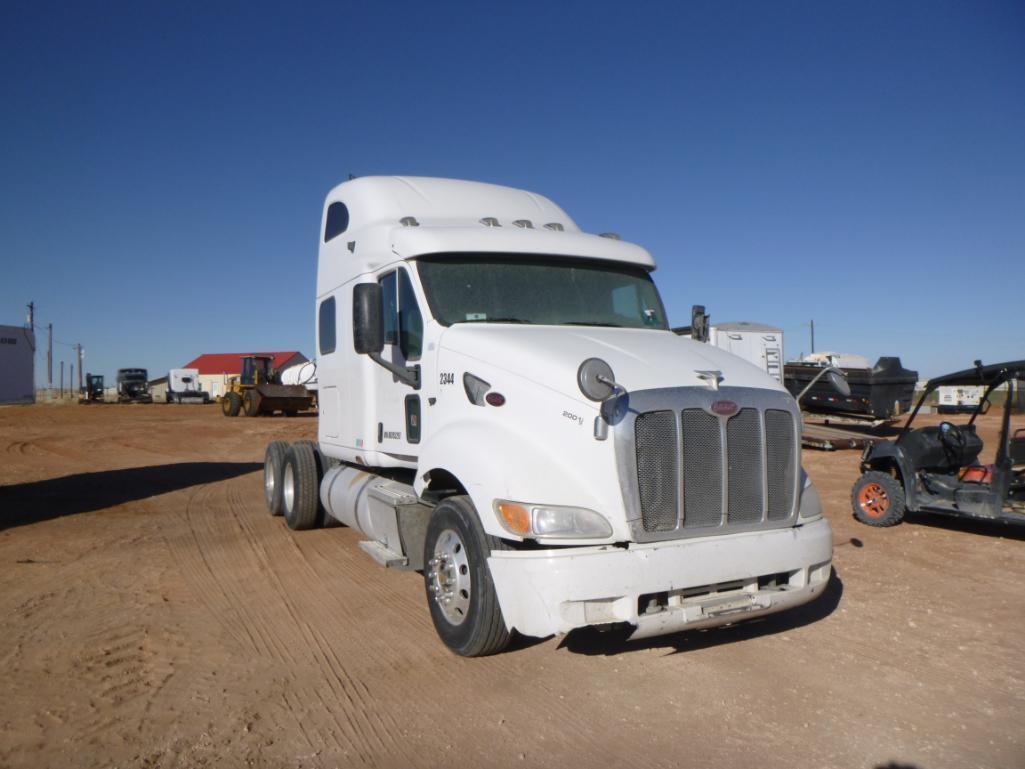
{"x": 549, "y": 291}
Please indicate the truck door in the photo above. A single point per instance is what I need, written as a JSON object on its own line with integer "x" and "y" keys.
{"x": 398, "y": 404}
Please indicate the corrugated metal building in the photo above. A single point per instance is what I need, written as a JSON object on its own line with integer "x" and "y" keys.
{"x": 17, "y": 365}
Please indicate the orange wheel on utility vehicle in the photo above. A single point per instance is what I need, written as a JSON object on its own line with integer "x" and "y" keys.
{"x": 873, "y": 500}
{"x": 878, "y": 499}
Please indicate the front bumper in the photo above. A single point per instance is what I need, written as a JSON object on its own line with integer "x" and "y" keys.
{"x": 707, "y": 581}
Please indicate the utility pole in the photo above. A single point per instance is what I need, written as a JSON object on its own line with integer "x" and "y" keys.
{"x": 32, "y": 316}
{"x": 78, "y": 348}
{"x": 62, "y": 379}
{"x": 812, "y": 323}
{"x": 49, "y": 358}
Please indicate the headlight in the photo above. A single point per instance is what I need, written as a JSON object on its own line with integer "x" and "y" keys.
{"x": 551, "y": 521}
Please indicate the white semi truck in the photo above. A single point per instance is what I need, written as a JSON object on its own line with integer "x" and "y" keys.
{"x": 183, "y": 386}
{"x": 504, "y": 408}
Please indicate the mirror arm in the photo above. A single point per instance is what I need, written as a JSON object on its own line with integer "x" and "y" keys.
{"x": 818, "y": 376}
{"x": 408, "y": 374}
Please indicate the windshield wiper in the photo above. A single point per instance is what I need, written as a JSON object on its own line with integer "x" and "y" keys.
{"x": 496, "y": 320}
{"x": 592, "y": 323}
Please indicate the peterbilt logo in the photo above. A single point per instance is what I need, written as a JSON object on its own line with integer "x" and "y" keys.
{"x": 725, "y": 408}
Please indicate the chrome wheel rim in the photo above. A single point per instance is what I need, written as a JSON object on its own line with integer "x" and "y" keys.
{"x": 448, "y": 577}
{"x": 288, "y": 487}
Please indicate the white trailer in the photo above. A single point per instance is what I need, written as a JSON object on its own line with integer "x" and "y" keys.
{"x": 17, "y": 365}
{"x": 504, "y": 408}
{"x": 754, "y": 342}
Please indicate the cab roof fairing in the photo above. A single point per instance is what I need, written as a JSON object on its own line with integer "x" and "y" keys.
{"x": 378, "y": 199}
{"x": 382, "y": 244}
{"x": 446, "y": 215}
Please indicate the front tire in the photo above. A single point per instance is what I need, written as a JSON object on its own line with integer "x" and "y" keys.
{"x": 231, "y": 404}
{"x": 273, "y": 468}
{"x": 300, "y": 486}
{"x": 460, "y": 592}
{"x": 878, "y": 499}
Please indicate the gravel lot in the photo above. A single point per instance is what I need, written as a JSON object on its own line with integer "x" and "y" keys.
{"x": 156, "y": 616}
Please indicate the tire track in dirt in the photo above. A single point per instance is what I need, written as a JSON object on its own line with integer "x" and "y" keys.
{"x": 228, "y": 559}
{"x": 373, "y": 728}
{"x": 305, "y": 560}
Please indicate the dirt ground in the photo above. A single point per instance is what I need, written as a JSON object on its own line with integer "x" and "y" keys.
{"x": 156, "y": 616}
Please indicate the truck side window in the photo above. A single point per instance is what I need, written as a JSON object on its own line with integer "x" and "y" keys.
{"x": 326, "y": 326}
{"x": 390, "y": 307}
{"x": 411, "y": 322}
{"x": 337, "y": 221}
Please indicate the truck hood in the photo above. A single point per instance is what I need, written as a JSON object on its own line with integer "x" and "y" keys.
{"x": 641, "y": 359}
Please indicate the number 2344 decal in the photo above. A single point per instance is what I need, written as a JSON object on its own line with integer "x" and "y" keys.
{"x": 447, "y": 378}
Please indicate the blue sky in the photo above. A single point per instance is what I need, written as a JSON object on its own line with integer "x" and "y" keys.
{"x": 163, "y": 165}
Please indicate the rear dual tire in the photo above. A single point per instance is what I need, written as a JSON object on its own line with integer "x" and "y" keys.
{"x": 273, "y": 469}
{"x": 301, "y": 473}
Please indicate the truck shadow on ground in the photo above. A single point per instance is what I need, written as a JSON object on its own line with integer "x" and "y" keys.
{"x": 977, "y": 526}
{"x": 610, "y": 642}
{"x": 25, "y": 503}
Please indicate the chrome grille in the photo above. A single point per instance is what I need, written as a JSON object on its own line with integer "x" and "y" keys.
{"x": 702, "y": 469}
{"x": 744, "y": 469}
{"x": 780, "y": 449}
{"x": 698, "y": 473}
{"x": 657, "y": 469}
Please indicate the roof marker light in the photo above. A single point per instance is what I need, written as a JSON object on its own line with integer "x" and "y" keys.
{"x": 525, "y": 224}
{"x": 554, "y": 227}
{"x": 609, "y": 235}
{"x": 490, "y": 221}
{"x": 409, "y": 221}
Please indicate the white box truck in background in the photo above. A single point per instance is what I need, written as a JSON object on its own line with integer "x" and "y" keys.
{"x": 504, "y": 407}
{"x": 757, "y": 343}
{"x": 17, "y": 365}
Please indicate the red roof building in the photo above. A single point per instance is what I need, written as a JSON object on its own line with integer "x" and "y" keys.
{"x": 230, "y": 363}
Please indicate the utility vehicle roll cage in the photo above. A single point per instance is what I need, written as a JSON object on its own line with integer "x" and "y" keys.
{"x": 990, "y": 377}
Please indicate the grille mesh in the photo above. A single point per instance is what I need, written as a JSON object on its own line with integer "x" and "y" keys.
{"x": 702, "y": 469}
{"x": 744, "y": 475}
{"x": 657, "y": 469}
{"x": 781, "y": 463}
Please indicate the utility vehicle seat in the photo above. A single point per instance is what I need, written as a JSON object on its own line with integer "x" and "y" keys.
{"x": 926, "y": 449}
{"x": 1016, "y": 449}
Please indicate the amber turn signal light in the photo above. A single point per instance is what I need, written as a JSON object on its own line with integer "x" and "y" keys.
{"x": 516, "y": 517}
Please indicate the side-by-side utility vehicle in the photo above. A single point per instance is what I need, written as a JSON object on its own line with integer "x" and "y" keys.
{"x": 937, "y": 468}
{"x": 504, "y": 408}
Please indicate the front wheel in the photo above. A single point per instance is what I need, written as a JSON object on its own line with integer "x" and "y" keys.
{"x": 231, "y": 404}
{"x": 460, "y": 592}
{"x": 878, "y": 499}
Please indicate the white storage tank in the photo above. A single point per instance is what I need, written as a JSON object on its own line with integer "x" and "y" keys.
{"x": 17, "y": 365}
{"x": 304, "y": 374}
